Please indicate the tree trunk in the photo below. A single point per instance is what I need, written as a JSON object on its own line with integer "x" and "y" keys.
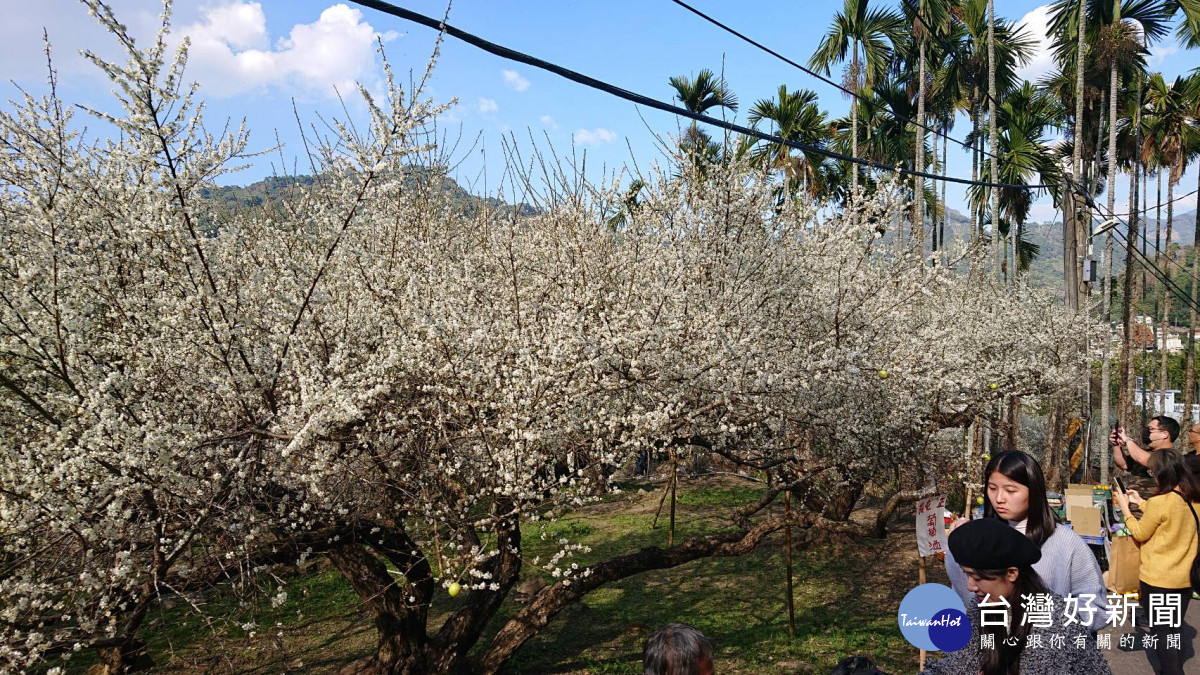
{"x": 854, "y": 117}
{"x": 553, "y": 599}
{"x": 401, "y": 645}
{"x": 1056, "y": 442}
{"x": 976, "y": 217}
{"x": 919, "y": 160}
{"x": 1128, "y": 377}
{"x": 945, "y": 210}
{"x": 128, "y": 657}
{"x": 1071, "y": 247}
{"x": 1146, "y": 363}
{"x": 835, "y": 499}
{"x": 992, "y": 117}
{"x": 1189, "y": 387}
{"x": 1101, "y": 435}
{"x": 1014, "y": 422}
{"x": 1161, "y": 288}
{"x": 126, "y": 652}
{"x": 1166, "y": 295}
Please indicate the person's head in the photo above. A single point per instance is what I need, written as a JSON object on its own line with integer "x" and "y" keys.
{"x": 1162, "y": 430}
{"x": 677, "y": 649}
{"x": 1016, "y": 490}
{"x": 1169, "y": 472}
{"x": 1193, "y": 436}
{"x": 998, "y": 561}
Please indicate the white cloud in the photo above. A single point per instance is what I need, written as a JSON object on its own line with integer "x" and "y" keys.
{"x": 513, "y": 80}
{"x": 239, "y": 25}
{"x": 70, "y": 29}
{"x": 487, "y": 105}
{"x": 231, "y": 51}
{"x": 1036, "y": 24}
{"x": 1043, "y": 211}
{"x": 595, "y": 136}
{"x": 548, "y": 121}
{"x": 1160, "y": 52}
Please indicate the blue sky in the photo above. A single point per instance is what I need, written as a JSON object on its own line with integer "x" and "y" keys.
{"x": 253, "y": 58}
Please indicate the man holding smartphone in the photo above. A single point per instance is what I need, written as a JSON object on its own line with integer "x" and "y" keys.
{"x": 1161, "y": 432}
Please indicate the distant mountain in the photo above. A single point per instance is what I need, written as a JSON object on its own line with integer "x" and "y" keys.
{"x": 1183, "y": 226}
{"x": 274, "y": 189}
{"x": 1046, "y": 270}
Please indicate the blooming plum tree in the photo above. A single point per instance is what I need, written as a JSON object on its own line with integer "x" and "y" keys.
{"x": 364, "y": 371}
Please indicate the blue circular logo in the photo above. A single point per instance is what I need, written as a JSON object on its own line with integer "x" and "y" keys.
{"x": 932, "y": 617}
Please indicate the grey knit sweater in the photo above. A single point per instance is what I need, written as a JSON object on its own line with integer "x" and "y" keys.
{"x": 1067, "y": 567}
{"x": 1060, "y": 651}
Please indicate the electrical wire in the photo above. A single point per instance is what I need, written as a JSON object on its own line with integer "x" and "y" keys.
{"x": 823, "y": 78}
{"x": 1171, "y": 201}
{"x": 949, "y": 50}
{"x": 513, "y": 55}
{"x": 1143, "y": 234}
{"x": 1155, "y": 270}
{"x": 1159, "y": 275}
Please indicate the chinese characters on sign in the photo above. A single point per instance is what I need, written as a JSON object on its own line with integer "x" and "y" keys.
{"x": 931, "y": 528}
{"x": 1037, "y": 610}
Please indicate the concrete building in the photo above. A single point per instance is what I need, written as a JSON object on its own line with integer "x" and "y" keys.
{"x": 1169, "y": 402}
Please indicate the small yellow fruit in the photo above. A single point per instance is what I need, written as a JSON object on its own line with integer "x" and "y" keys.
{"x": 993, "y": 386}
{"x": 454, "y": 589}
{"x": 883, "y": 374}
{"x": 979, "y": 501}
{"x": 986, "y": 457}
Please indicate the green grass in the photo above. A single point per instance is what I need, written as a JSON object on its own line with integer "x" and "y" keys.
{"x": 845, "y": 594}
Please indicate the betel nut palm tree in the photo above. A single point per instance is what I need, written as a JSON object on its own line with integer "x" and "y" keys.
{"x": 869, "y": 36}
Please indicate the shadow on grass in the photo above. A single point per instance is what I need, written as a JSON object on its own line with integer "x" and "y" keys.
{"x": 845, "y": 600}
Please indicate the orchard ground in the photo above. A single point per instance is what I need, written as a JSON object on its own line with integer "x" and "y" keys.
{"x": 846, "y": 599}
{"x": 846, "y": 595}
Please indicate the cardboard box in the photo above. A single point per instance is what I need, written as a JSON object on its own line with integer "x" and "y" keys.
{"x": 1078, "y": 500}
{"x": 1085, "y": 520}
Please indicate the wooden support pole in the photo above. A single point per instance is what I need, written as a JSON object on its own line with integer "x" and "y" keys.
{"x": 921, "y": 580}
{"x": 662, "y": 500}
{"x": 970, "y": 496}
{"x": 787, "y": 540}
{"x": 674, "y": 482}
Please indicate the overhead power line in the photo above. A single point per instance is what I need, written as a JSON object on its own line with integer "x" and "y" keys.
{"x": 949, "y": 47}
{"x": 813, "y": 73}
{"x": 1171, "y": 201}
{"x": 1160, "y": 275}
{"x": 1143, "y": 232}
{"x": 513, "y": 55}
{"x": 1155, "y": 270}
{"x": 823, "y": 78}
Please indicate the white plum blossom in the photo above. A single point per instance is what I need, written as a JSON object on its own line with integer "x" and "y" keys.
{"x": 368, "y": 370}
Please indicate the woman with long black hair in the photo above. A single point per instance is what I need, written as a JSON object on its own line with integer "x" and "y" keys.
{"x": 1167, "y": 532}
{"x": 1016, "y": 494}
{"x": 998, "y": 564}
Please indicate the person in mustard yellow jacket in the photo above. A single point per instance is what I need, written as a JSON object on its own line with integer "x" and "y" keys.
{"x": 1167, "y": 533}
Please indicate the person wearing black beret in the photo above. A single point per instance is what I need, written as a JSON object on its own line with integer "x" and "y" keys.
{"x": 998, "y": 563}
{"x": 1016, "y": 494}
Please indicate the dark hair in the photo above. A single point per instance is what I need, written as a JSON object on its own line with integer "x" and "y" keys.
{"x": 1025, "y": 470}
{"x": 675, "y": 649}
{"x": 1168, "y": 424}
{"x": 1005, "y": 659}
{"x": 1169, "y": 472}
